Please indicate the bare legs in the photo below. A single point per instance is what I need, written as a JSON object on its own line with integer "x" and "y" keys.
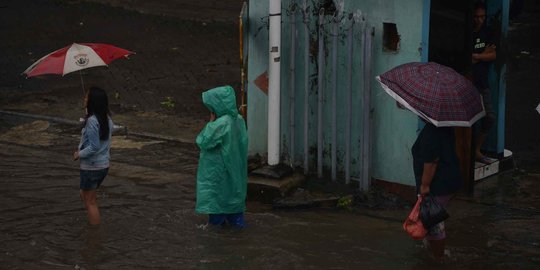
{"x": 479, "y": 142}
{"x": 437, "y": 249}
{"x": 90, "y": 203}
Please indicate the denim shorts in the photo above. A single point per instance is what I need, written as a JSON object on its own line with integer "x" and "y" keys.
{"x": 92, "y": 179}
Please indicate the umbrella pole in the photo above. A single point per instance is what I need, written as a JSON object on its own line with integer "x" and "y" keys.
{"x": 82, "y": 83}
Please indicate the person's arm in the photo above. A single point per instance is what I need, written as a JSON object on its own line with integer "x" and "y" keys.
{"x": 92, "y": 130}
{"x": 427, "y": 176}
{"x": 212, "y": 134}
{"x": 489, "y": 54}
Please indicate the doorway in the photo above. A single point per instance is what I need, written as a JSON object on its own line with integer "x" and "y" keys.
{"x": 450, "y": 37}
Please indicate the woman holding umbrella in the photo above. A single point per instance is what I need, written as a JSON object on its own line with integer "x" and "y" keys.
{"x": 94, "y": 150}
{"x": 436, "y": 170}
{"x": 443, "y": 99}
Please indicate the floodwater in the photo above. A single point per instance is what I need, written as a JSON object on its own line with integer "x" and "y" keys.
{"x": 148, "y": 219}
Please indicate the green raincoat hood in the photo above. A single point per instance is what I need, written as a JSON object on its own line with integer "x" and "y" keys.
{"x": 221, "y": 100}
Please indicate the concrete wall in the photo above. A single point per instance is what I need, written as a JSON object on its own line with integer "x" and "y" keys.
{"x": 394, "y": 130}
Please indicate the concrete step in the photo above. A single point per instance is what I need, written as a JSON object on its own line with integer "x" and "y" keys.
{"x": 266, "y": 189}
{"x": 495, "y": 166}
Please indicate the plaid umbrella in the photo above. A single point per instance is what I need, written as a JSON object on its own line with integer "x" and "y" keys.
{"x": 436, "y": 93}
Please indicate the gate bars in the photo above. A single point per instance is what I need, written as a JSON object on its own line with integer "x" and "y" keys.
{"x": 337, "y": 28}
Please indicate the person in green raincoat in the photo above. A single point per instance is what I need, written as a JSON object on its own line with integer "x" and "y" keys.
{"x": 222, "y": 171}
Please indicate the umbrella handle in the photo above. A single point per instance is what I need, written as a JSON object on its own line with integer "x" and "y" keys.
{"x": 82, "y": 83}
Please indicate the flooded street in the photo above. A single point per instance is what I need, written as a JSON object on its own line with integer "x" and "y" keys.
{"x": 147, "y": 201}
{"x": 148, "y": 215}
{"x": 147, "y": 205}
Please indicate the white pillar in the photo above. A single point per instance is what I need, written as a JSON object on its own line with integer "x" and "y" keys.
{"x": 274, "y": 81}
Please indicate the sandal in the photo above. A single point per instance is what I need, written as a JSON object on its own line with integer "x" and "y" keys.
{"x": 484, "y": 160}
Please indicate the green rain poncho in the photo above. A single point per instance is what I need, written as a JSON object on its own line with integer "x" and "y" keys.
{"x": 222, "y": 171}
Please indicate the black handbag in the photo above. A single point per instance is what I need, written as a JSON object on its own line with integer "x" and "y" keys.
{"x": 431, "y": 212}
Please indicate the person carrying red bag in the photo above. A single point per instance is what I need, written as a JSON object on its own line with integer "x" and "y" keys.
{"x": 437, "y": 173}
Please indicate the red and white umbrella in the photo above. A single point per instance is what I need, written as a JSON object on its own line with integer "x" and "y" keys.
{"x": 436, "y": 93}
{"x": 76, "y": 57}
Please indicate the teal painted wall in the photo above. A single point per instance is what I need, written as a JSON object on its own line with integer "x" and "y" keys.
{"x": 257, "y": 118}
{"x": 393, "y": 130}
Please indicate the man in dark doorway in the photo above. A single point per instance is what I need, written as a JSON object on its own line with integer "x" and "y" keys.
{"x": 483, "y": 53}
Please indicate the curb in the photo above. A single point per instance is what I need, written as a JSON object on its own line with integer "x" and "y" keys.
{"x": 41, "y": 117}
{"x": 159, "y": 137}
{"x": 117, "y": 128}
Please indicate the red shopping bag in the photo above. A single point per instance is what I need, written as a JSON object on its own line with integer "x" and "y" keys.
{"x": 413, "y": 225}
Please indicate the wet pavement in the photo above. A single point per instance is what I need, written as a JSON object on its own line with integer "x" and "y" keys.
{"x": 147, "y": 201}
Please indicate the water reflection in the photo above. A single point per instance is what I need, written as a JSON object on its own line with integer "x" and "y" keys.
{"x": 92, "y": 248}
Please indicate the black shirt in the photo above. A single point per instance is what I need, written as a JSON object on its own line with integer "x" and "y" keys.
{"x": 437, "y": 143}
{"x": 481, "y": 40}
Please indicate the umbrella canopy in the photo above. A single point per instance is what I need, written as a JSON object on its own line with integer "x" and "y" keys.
{"x": 75, "y": 57}
{"x": 436, "y": 93}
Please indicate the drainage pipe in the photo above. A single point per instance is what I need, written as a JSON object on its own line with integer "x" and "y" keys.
{"x": 274, "y": 81}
